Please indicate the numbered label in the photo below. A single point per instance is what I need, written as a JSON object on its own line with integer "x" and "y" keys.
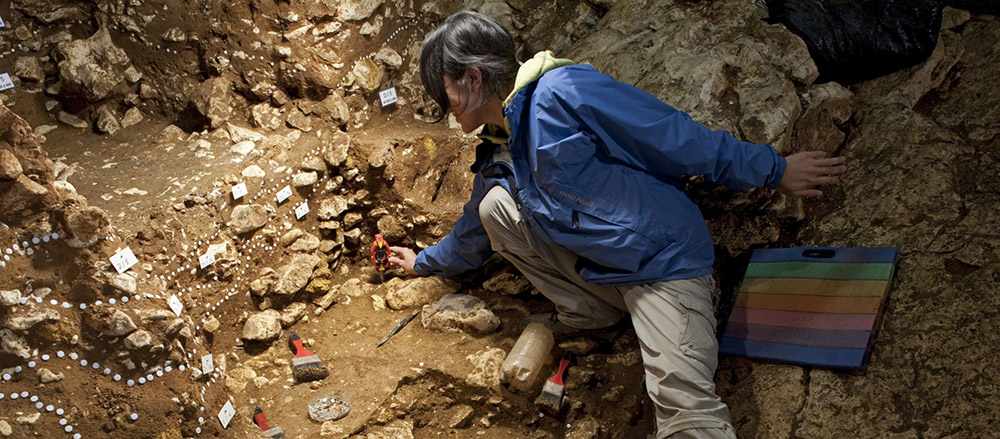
{"x": 301, "y": 210}
{"x": 123, "y": 260}
{"x": 175, "y": 304}
{"x": 283, "y": 194}
{"x": 226, "y": 414}
{"x": 239, "y": 191}
{"x": 388, "y": 96}
{"x": 207, "y": 364}
{"x": 206, "y": 259}
{"x": 2, "y": 24}
{"x": 5, "y": 82}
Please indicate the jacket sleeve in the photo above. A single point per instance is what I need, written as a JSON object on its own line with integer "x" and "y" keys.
{"x": 645, "y": 133}
{"x": 466, "y": 247}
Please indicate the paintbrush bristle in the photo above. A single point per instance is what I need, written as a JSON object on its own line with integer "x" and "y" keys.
{"x": 310, "y": 368}
{"x": 551, "y": 396}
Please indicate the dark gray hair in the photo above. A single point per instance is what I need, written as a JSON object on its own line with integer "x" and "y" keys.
{"x": 467, "y": 39}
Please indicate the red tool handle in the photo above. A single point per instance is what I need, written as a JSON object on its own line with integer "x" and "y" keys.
{"x": 300, "y": 351}
{"x": 563, "y": 364}
{"x": 260, "y": 419}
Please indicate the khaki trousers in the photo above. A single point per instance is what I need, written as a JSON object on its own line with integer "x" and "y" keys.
{"x": 673, "y": 320}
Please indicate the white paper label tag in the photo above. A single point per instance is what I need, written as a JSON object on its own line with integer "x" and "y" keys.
{"x": 2, "y": 24}
{"x": 239, "y": 190}
{"x": 123, "y": 260}
{"x": 5, "y": 82}
{"x": 175, "y": 304}
{"x": 207, "y": 365}
{"x": 388, "y": 96}
{"x": 226, "y": 414}
{"x": 206, "y": 259}
{"x": 301, "y": 210}
{"x": 283, "y": 194}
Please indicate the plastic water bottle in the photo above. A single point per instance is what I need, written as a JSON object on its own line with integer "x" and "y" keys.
{"x": 527, "y": 357}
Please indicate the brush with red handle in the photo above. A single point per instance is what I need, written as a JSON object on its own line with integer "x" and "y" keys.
{"x": 306, "y": 366}
{"x": 552, "y": 393}
{"x": 261, "y": 421}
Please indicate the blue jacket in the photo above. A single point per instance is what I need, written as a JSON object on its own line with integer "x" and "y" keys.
{"x": 599, "y": 167}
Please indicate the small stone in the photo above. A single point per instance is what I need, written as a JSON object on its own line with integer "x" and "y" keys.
{"x": 263, "y": 326}
{"x": 119, "y": 324}
{"x": 138, "y": 340}
{"x": 10, "y": 298}
{"x": 247, "y": 218}
{"x": 72, "y": 120}
{"x": 304, "y": 179}
{"x": 47, "y": 376}
{"x": 211, "y": 325}
{"x": 131, "y": 117}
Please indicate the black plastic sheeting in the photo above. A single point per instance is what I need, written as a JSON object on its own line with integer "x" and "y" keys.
{"x": 855, "y": 40}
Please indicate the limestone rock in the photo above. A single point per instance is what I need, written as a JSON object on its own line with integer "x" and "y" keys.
{"x": 292, "y": 314}
{"x": 22, "y": 194}
{"x": 253, "y": 171}
{"x": 10, "y": 297}
{"x": 367, "y": 75}
{"x": 263, "y": 326}
{"x": 93, "y": 67}
{"x": 314, "y": 164}
{"x": 132, "y": 75}
{"x": 5, "y": 429}
{"x": 239, "y": 134}
{"x": 331, "y": 208}
{"x": 14, "y": 344}
{"x": 828, "y": 107}
{"x": 507, "y": 283}
{"x": 29, "y": 68}
{"x": 300, "y": 121}
{"x": 486, "y": 367}
{"x": 265, "y": 116}
{"x": 357, "y": 288}
{"x": 306, "y": 243}
{"x": 119, "y": 324}
{"x": 335, "y": 152}
{"x": 85, "y": 226}
{"x": 237, "y": 379}
{"x": 303, "y": 179}
{"x": 294, "y": 276}
{"x": 262, "y": 285}
{"x": 459, "y": 313}
{"x": 107, "y": 122}
{"x": 132, "y": 116}
{"x": 213, "y": 100}
{"x": 72, "y": 120}
{"x": 138, "y": 340}
{"x": 119, "y": 281}
{"x": 333, "y": 109}
{"x": 29, "y": 419}
{"x": 389, "y": 58}
{"x": 397, "y": 429}
{"x": 46, "y": 376}
{"x": 32, "y": 318}
{"x": 10, "y": 167}
{"x": 211, "y": 325}
{"x": 419, "y": 291}
{"x": 247, "y": 218}
{"x": 356, "y": 10}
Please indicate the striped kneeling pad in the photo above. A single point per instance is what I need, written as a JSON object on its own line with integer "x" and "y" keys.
{"x": 810, "y": 306}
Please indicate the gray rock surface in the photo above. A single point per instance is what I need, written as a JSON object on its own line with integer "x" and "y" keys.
{"x": 459, "y": 313}
{"x": 138, "y": 340}
{"x": 85, "y": 226}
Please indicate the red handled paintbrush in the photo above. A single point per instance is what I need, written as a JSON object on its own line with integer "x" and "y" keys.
{"x": 552, "y": 393}
{"x": 261, "y": 421}
{"x": 306, "y": 366}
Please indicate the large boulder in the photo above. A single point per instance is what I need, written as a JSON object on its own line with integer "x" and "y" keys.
{"x": 213, "y": 100}
{"x": 93, "y": 67}
{"x": 295, "y": 275}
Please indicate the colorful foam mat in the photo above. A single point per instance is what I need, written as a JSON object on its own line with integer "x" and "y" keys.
{"x": 815, "y": 306}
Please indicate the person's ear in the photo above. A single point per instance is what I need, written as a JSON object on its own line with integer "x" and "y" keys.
{"x": 475, "y": 78}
